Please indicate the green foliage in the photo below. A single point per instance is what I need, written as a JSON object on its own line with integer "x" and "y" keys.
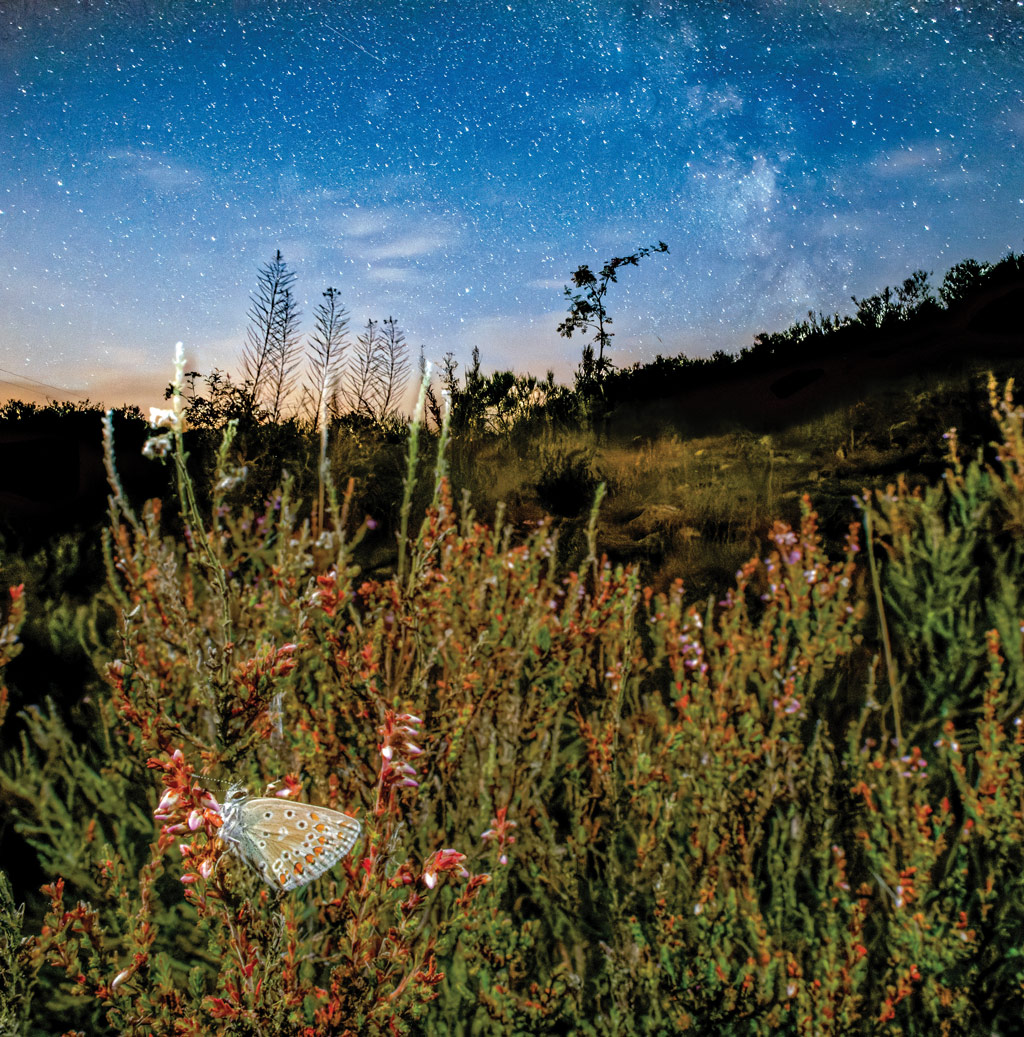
{"x": 17, "y": 975}
{"x": 954, "y": 554}
{"x": 10, "y": 646}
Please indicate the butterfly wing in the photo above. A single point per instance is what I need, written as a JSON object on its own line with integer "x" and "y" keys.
{"x": 291, "y": 844}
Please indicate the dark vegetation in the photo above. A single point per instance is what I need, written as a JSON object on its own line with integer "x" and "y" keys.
{"x": 826, "y": 863}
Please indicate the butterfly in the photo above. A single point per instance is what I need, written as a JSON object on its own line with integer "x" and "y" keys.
{"x": 289, "y": 844}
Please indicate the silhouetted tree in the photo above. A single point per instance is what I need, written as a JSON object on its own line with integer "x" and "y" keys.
{"x": 915, "y": 296}
{"x": 910, "y": 300}
{"x": 284, "y": 356}
{"x": 393, "y": 368}
{"x": 469, "y": 400}
{"x": 876, "y": 311}
{"x": 431, "y": 404}
{"x": 449, "y": 379}
{"x": 363, "y": 372}
{"x": 220, "y": 402}
{"x": 962, "y": 280}
{"x": 327, "y": 346}
{"x": 512, "y": 399}
{"x": 269, "y": 314}
{"x": 587, "y": 312}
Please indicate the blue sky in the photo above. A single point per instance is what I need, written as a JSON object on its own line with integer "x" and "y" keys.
{"x": 451, "y": 163}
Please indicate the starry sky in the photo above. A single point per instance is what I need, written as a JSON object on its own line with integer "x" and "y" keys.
{"x": 451, "y": 162}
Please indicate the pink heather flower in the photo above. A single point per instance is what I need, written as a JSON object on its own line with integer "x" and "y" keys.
{"x": 500, "y": 830}
{"x": 169, "y": 800}
{"x": 444, "y": 860}
{"x": 397, "y": 748}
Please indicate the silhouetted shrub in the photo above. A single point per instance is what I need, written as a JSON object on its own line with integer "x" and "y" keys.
{"x": 567, "y": 483}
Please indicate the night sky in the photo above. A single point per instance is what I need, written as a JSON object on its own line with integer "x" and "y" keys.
{"x": 451, "y": 163}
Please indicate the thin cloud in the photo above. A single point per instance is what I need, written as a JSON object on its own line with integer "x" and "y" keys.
{"x": 407, "y": 247}
{"x": 549, "y": 283}
{"x": 362, "y": 224}
{"x": 163, "y": 174}
{"x": 393, "y": 274}
{"x": 908, "y": 159}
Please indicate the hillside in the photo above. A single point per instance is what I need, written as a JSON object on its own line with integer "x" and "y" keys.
{"x": 834, "y": 371}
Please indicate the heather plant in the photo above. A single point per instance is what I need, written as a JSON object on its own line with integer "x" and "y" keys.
{"x": 587, "y": 808}
{"x": 703, "y": 780}
{"x": 954, "y": 553}
{"x": 17, "y": 978}
{"x": 199, "y": 688}
{"x": 10, "y": 646}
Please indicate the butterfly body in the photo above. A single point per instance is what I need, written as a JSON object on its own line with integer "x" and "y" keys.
{"x": 289, "y": 844}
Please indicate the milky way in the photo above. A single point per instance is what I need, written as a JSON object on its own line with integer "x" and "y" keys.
{"x": 451, "y": 163}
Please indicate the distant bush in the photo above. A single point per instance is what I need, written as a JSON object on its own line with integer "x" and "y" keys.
{"x": 962, "y": 281}
{"x": 567, "y": 483}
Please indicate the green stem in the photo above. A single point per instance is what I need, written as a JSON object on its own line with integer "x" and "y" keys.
{"x": 890, "y": 663}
